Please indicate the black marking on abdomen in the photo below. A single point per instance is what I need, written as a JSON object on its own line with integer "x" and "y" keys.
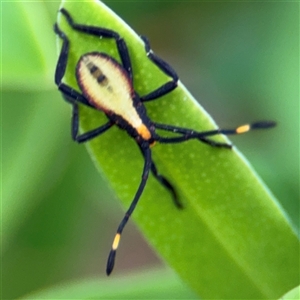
{"x": 92, "y": 68}
{"x": 101, "y": 78}
{"x": 97, "y": 73}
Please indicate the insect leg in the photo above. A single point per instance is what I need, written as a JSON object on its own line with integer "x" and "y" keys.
{"x": 81, "y": 138}
{"x": 61, "y": 66}
{"x": 202, "y": 136}
{"x": 165, "y": 182}
{"x": 215, "y": 143}
{"x": 188, "y": 132}
{"x": 106, "y": 33}
{"x": 147, "y": 166}
{"x": 166, "y": 68}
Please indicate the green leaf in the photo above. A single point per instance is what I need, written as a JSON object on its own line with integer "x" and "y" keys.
{"x": 294, "y": 294}
{"x": 143, "y": 285}
{"x": 232, "y": 239}
{"x": 27, "y": 57}
{"x": 27, "y": 97}
{"x": 30, "y": 148}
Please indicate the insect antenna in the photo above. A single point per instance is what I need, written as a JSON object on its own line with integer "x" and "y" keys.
{"x": 188, "y": 134}
{"x": 247, "y": 127}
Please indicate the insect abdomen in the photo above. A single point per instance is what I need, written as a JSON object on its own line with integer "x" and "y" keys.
{"x": 107, "y": 86}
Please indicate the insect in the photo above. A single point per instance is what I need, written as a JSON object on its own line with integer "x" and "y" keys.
{"x": 108, "y": 86}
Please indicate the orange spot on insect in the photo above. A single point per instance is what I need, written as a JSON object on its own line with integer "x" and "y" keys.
{"x": 144, "y": 132}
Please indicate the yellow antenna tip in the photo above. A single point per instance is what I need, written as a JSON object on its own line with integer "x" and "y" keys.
{"x": 116, "y": 241}
{"x": 243, "y": 129}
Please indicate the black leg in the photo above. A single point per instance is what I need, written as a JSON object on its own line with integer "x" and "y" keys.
{"x": 165, "y": 182}
{"x": 63, "y": 56}
{"x": 69, "y": 93}
{"x": 81, "y": 138}
{"x": 106, "y": 33}
{"x": 215, "y": 143}
{"x": 72, "y": 96}
{"x": 147, "y": 166}
{"x": 187, "y": 135}
{"x": 202, "y": 136}
{"x": 166, "y": 68}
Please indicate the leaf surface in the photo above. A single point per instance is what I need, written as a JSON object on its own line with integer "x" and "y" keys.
{"x": 154, "y": 284}
{"x": 232, "y": 239}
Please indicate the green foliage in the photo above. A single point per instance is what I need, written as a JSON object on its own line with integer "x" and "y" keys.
{"x": 294, "y": 294}
{"x": 30, "y": 42}
{"x": 231, "y": 240}
{"x": 143, "y": 285}
{"x": 230, "y": 224}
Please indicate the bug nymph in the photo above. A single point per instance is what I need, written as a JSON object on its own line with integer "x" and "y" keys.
{"x": 108, "y": 86}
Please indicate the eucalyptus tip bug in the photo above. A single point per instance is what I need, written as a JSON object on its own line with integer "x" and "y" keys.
{"x": 108, "y": 86}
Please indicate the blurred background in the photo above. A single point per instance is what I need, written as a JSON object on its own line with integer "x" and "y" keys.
{"x": 240, "y": 60}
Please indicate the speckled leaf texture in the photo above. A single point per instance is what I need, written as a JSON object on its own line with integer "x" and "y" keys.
{"x": 232, "y": 240}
